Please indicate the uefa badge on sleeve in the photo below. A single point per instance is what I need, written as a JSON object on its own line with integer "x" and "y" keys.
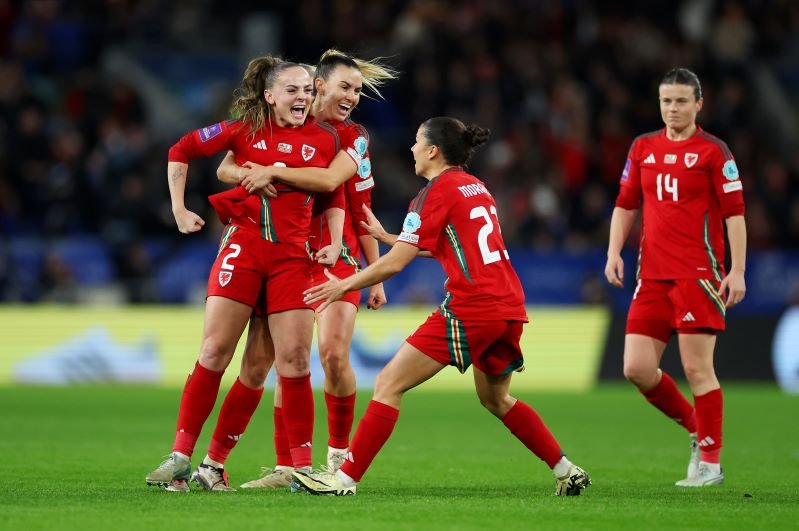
{"x": 224, "y": 278}
{"x": 360, "y": 145}
{"x": 730, "y": 170}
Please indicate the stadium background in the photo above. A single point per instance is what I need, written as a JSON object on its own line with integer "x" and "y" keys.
{"x": 93, "y": 93}
{"x": 97, "y": 286}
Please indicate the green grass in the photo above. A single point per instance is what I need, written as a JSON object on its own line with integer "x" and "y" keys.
{"x": 75, "y": 458}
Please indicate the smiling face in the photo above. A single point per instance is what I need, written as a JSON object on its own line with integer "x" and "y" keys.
{"x": 678, "y": 106}
{"x": 290, "y": 97}
{"x": 339, "y": 93}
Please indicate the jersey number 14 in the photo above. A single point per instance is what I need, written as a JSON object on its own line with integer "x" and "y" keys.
{"x": 665, "y": 182}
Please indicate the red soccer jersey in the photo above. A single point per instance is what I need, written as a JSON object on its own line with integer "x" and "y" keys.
{"x": 357, "y": 191}
{"x": 287, "y": 217}
{"x": 688, "y": 188}
{"x": 455, "y": 218}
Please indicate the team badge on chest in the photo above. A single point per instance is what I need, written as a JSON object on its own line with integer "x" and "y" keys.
{"x": 690, "y": 159}
{"x": 307, "y": 152}
{"x": 224, "y": 278}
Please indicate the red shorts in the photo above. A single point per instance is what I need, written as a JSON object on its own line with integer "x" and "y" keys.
{"x": 247, "y": 264}
{"x": 342, "y": 269}
{"x": 689, "y": 306}
{"x": 492, "y": 346}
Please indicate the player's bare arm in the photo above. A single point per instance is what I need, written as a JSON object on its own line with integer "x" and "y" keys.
{"x": 371, "y": 252}
{"x": 186, "y": 220}
{"x": 317, "y": 179}
{"x": 735, "y": 283}
{"x": 328, "y": 255}
{"x": 620, "y": 224}
{"x": 229, "y": 172}
{"x": 386, "y": 267}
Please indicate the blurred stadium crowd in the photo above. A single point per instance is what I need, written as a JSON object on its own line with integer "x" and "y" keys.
{"x": 93, "y": 93}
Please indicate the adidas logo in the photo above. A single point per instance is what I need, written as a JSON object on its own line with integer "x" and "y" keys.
{"x": 707, "y": 441}
{"x": 688, "y": 317}
{"x": 234, "y": 437}
{"x": 306, "y": 445}
{"x": 650, "y": 159}
{"x": 350, "y": 458}
{"x": 261, "y": 144}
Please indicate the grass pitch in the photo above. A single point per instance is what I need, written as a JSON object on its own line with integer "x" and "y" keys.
{"x": 75, "y": 458}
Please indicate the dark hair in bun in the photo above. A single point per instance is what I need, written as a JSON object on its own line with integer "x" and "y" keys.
{"x": 454, "y": 139}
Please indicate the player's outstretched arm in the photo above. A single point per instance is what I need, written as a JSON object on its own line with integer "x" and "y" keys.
{"x": 620, "y": 224}
{"x": 386, "y": 267}
{"x": 734, "y": 283}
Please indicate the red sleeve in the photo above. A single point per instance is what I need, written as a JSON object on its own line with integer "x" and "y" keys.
{"x": 203, "y": 142}
{"x": 334, "y": 199}
{"x": 355, "y": 142}
{"x": 629, "y": 197}
{"x": 426, "y": 218}
{"x": 359, "y": 193}
{"x": 727, "y": 183}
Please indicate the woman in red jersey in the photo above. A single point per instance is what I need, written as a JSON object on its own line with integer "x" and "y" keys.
{"x": 689, "y": 185}
{"x": 339, "y": 81}
{"x": 454, "y": 218}
{"x": 262, "y": 253}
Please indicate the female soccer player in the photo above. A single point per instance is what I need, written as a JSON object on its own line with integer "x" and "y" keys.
{"x": 454, "y": 218}
{"x": 262, "y": 253}
{"x": 688, "y": 183}
{"x": 339, "y": 81}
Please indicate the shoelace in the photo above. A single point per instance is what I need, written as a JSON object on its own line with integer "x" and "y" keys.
{"x": 168, "y": 460}
{"x": 218, "y": 475}
{"x": 267, "y": 471}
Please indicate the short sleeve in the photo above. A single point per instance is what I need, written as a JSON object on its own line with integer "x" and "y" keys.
{"x": 204, "y": 142}
{"x": 334, "y": 199}
{"x": 727, "y": 183}
{"x": 629, "y": 197}
{"x": 426, "y": 218}
{"x": 356, "y": 145}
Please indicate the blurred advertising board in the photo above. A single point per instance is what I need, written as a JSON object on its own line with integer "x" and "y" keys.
{"x": 159, "y": 344}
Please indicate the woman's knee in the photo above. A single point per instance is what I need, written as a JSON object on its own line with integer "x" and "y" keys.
{"x": 641, "y": 375}
{"x": 498, "y": 404}
{"x": 294, "y": 361}
{"x": 254, "y": 375}
{"x": 215, "y": 354}
{"x": 698, "y": 373}
{"x": 386, "y": 388}
{"x": 335, "y": 361}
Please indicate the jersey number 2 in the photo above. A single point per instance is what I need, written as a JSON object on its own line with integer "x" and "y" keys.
{"x": 489, "y": 256}
{"x": 236, "y": 250}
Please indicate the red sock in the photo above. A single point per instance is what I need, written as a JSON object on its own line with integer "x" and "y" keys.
{"x": 282, "y": 451}
{"x": 298, "y": 417}
{"x": 199, "y": 397}
{"x": 237, "y": 409}
{"x": 709, "y": 413}
{"x": 666, "y": 396}
{"x": 527, "y": 426}
{"x": 373, "y": 431}
{"x": 340, "y": 414}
